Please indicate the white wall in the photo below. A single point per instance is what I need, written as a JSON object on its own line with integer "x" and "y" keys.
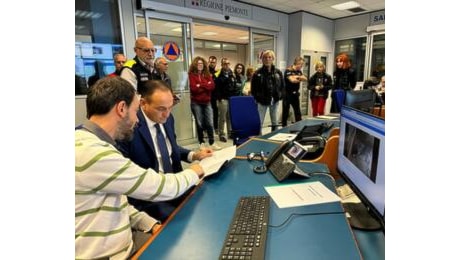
{"x": 351, "y": 27}
{"x": 317, "y": 33}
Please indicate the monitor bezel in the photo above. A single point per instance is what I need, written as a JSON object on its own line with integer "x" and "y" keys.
{"x": 369, "y": 205}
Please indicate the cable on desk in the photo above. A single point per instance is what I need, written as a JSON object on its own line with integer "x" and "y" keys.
{"x": 305, "y": 214}
{"x": 325, "y": 174}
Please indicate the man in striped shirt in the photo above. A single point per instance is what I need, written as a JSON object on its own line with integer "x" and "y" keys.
{"x": 106, "y": 226}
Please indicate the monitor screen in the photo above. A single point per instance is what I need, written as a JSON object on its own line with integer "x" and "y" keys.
{"x": 360, "y": 99}
{"x": 361, "y": 157}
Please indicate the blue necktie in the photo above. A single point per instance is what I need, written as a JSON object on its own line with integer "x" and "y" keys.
{"x": 161, "y": 142}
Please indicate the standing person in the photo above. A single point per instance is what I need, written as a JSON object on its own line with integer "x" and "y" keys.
{"x": 106, "y": 226}
{"x": 159, "y": 73}
{"x": 118, "y": 59}
{"x": 292, "y": 78}
{"x": 239, "y": 77}
{"x": 212, "y": 61}
{"x": 344, "y": 80}
{"x": 247, "y": 84}
{"x": 225, "y": 88}
{"x": 145, "y": 148}
{"x": 201, "y": 87}
{"x": 267, "y": 86}
{"x": 140, "y": 69}
{"x": 319, "y": 85}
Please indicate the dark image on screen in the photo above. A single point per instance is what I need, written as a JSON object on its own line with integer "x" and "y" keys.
{"x": 362, "y": 149}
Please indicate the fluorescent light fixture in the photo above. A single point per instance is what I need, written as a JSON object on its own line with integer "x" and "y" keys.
{"x": 178, "y": 29}
{"x": 209, "y": 33}
{"x": 346, "y": 5}
{"x": 243, "y": 37}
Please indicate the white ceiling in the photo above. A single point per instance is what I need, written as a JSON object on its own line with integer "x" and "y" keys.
{"x": 319, "y": 7}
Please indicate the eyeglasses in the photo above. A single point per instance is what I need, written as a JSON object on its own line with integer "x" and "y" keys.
{"x": 147, "y": 50}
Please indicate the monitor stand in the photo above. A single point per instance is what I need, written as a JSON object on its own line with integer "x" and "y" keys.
{"x": 360, "y": 217}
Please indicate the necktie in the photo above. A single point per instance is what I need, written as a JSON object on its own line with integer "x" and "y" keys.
{"x": 161, "y": 142}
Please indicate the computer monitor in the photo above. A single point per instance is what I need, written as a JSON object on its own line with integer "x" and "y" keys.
{"x": 361, "y": 163}
{"x": 360, "y": 99}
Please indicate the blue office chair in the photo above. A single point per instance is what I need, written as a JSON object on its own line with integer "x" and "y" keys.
{"x": 244, "y": 118}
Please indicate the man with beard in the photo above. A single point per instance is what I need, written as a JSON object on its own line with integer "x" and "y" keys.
{"x": 140, "y": 69}
{"x": 106, "y": 226}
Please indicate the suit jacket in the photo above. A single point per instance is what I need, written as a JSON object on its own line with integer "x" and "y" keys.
{"x": 141, "y": 150}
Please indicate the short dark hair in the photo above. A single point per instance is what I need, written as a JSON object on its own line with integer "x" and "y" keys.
{"x": 106, "y": 93}
{"x": 153, "y": 85}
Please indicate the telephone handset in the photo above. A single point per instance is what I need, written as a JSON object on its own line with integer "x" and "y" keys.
{"x": 282, "y": 161}
{"x": 277, "y": 152}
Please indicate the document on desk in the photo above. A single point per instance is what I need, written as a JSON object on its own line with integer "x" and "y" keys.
{"x": 212, "y": 164}
{"x": 302, "y": 194}
{"x": 283, "y": 137}
{"x": 326, "y": 117}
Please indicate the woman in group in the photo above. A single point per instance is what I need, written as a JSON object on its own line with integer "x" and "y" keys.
{"x": 247, "y": 84}
{"x": 319, "y": 85}
{"x": 239, "y": 77}
{"x": 201, "y": 86}
{"x": 344, "y": 80}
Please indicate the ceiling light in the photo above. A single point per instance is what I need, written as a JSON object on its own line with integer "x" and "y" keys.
{"x": 346, "y": 5}
{"x": 243, "y": 37}
{"x": 178, "y": 29}
{"x": 209, "y": 33}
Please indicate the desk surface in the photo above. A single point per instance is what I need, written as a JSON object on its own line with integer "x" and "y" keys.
{"x": 198, "y": 230}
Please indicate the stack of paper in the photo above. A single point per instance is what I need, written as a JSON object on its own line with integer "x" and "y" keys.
{"x": 212, "y": 164}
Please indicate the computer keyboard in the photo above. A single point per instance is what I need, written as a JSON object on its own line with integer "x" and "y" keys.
{"x": 247, "y": 233}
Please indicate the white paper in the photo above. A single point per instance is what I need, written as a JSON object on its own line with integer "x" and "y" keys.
{"x": 294, "y": 195}
{"x": 326, "y": 117}
{"x": 283, "y": 137}
{"x": 212, "y": 164}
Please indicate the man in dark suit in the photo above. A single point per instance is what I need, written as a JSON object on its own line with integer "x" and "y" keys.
{"x": 154, "y": 144}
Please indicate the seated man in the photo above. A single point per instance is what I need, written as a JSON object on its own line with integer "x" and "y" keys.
{"x": 146, "y": 149}
{"x": 106, "y": 226}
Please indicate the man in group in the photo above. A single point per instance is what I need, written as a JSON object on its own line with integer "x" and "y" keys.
{"x": 140, "y": 69}
{"x": 145, "y": 149}
{"x": 106, "y": 226}
{"x": 225, "y": 88}
{"x": 292, "y": 78}
{"x": 161, "y": 67}
{"x": 119, "y": 59}
{"x": 267, "y": 86}
{"x": 212, "y": 63}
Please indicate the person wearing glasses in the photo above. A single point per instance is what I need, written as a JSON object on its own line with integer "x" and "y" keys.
{"x": 119, "y": 59}
{"x": 144, "y": 149}
{"x": 140, "y": 69}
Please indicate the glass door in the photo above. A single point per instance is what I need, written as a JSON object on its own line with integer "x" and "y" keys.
{"x": 171, "y": 36}
{"x": 260, "y": 42}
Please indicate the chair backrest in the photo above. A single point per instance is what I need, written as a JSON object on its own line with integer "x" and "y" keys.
{"x": 244, "y": 118}
{"x": 330, "y": 155}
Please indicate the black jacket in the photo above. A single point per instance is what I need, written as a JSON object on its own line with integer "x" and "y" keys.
{"x": 327, "y": 83}
{"x": 267, "y": 84}
{"x": 344, "y": 79}
{"x": 142, "y": 73}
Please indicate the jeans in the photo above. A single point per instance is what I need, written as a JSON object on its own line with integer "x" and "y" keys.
{"x": 203, "y": 121}
{"x": 273, "y": 114}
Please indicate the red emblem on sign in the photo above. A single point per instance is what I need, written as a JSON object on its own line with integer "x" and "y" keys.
{"x": 171, "y": 51}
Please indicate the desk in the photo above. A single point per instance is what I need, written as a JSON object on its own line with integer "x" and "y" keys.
{"x": 198, "y": 229}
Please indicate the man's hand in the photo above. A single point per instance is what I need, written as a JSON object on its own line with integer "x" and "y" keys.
{"x": 155, "y": 228}
{"x": 202, "y": 153}
{"x": 197, "y": 168}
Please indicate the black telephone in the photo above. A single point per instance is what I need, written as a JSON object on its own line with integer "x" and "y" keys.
{"x": 282, "y": 161}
